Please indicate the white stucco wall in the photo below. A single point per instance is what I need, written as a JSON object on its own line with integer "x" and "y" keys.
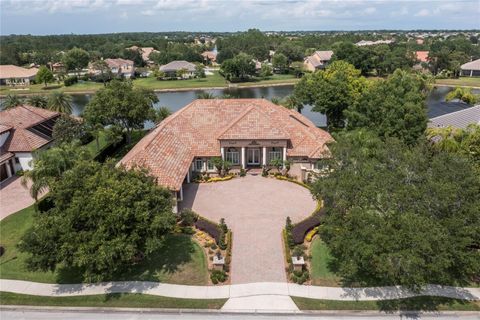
{"x": 25, "y": 159}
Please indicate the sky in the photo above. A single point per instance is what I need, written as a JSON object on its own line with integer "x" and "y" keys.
{"x": 41, "y": 17}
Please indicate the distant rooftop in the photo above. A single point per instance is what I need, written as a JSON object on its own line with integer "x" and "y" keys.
{"x": 458, "y": 119}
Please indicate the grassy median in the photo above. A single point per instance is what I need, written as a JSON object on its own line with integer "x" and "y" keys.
{"x": 114, "y": 300}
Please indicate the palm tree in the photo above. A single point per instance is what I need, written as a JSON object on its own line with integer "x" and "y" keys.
{"x": 205, "y": 95}
{"x": 292, "y": 102}
{"x": 162, "y": 113}
{"x": 37, "y": 101}
{"x": 49, "y": 166}
{"x": 11, "y": 101}
{"x": 60, "y": 102}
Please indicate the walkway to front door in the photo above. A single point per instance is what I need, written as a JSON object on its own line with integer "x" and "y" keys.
{"x": 255, "y": 208}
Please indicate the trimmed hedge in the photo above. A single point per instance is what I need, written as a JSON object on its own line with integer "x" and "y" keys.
{"x": 209, "y": 227}
{"x": 300, "y": 229}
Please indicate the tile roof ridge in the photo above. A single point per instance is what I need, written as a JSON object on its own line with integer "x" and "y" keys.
{"x": 243, "y": 114}
{"x": 169, "y": 119}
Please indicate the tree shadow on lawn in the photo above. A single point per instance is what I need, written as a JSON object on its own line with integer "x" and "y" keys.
{"x": 159, "y": 266}
{"x": 411, "y": 306}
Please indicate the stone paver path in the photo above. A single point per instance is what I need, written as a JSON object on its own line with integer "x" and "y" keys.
{"x": 13, "y": 197}
{"x": 255, "y": 208}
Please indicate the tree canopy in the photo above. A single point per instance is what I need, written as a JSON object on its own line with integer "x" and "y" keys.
{"x": 399, "y": 215}
{"x": 121, "y": 105}
{"x": 44, "y": 75}
{"x": 239, "y": 68}
{"x": 104, "y": 220}
{"x": 331, "y": 91}
{"x": 393, "y": 108}
{"x": 76, "y": 59}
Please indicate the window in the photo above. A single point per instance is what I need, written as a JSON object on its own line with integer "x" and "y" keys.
{"x": 275, "y": 153}
{"x": 17, "y": 160}
{"x": 199, "y": 165}
{"x": 210, "y": 166}
{"x": 232, "y": 155}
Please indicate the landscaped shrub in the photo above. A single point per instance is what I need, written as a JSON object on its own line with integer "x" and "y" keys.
{"x": 228, "y": 257}
{"x": 70, "y": 81}
{"x": 243, "y": 173}
{"x": 288, "y": 256}
{"x": 209, "y": 227}
{"x": 300, "y": 276}
{"x": 288, "y": 233}
{"x": 20, "y": 173}
{"x": 300, "y": 229}
{"x": 218, "y": 276}
{"x": 310, "y": 234}
{"x": 188, "y": 217}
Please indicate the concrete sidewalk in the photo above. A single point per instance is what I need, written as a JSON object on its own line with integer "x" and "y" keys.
{"x": 252, "y": 296}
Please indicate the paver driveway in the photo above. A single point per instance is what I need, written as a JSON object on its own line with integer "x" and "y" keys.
{"x": 14, "y": 197}
{"x": 255, "y": 208}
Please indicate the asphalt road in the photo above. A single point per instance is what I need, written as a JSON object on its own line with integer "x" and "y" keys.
{"x": 111, "y": 315}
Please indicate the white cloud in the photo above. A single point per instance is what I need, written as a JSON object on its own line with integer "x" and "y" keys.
{"x": 370, "y": 10}
{"x": 422, "y": 13}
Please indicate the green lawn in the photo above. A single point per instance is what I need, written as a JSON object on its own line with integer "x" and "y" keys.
{"x": 125, "y": 300}
{"x": 180, "y": 261}
{"x": 409, "y": 304}
{"x": 95, "y": 148}
{"x": 321, "y": 273}
{"x": 211, "y": 81}
{"x": 463, "y": 81}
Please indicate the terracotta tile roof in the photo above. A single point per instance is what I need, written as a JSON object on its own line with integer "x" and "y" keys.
{"x": 5, "y": 155}
{"x": 196, "y": 130}
{"x": 4, "y": 128}
{"x": 10, "y": 71}
{"x": 20, "y": 119}
{"x": 422, "y": 56}
{"x": 319, "y": 58}
{"x": 119, "y": 62}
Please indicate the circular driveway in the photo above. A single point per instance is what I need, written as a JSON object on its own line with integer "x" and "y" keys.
{"x": 255, "y": 208}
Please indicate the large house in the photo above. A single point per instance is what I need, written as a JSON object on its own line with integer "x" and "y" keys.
{"x": 23, "y": 129}
{"x": 145, "y": 52}
{"x": 16, "y": 76}
{"x": 471, "y": 69}
{"x": 249, "y": 133}
{"x": 458, "y": 119}
{"x": 318, "y": 60}
{"x": 171, "y": 69}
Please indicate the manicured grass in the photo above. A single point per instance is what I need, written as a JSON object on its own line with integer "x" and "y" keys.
{"x": 411, "y": 304}
{"x": 321, "y": 273}
{"x": 211, "y": 81}
{"x": 463, "y": 81}
{"x": 180, "y": 260}
{"x": 114, "y": 300}
{"x": 95, "y": 149}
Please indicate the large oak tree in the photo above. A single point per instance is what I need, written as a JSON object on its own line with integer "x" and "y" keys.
{"x": 400, "y": 215}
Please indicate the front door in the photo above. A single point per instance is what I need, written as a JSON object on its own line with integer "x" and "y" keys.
{"x": 253, "y": 156}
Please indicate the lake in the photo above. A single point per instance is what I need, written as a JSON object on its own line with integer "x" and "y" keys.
{"x": 175, "y": 100}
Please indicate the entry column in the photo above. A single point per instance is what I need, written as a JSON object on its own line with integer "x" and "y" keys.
{"x": 264, "y": 156}
{"x": 243, "y": 157}
{"x": 284, "y": 157}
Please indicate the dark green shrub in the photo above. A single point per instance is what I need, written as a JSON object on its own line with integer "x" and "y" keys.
{"x": 218, "y": 276}
{"x": 19, "y": 173}
{"x": 213, "y": 246}
{"x": 70, "y": 81}
{"x": 243, "y": 173}
{"x": 188, "y": 217}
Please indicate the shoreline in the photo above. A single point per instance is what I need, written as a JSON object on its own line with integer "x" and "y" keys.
{"x": 239, "y": 86}
{"x": 289, "y": 83}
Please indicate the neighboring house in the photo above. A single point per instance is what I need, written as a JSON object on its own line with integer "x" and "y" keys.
{"x": 210, "y": 57}
{"x": 421, "y": 57}
{"x": 171, "y": 69}
{"x": 249, "y": 133}
{"x": 471, "y": 69}
{"x": 23, "y": 129}
{"x": 58, "y": 67}
{"x": 119, "y": 67}
{"x": 372, "y": 43}
{"x": 11, "y": 75}
{"x": 458, "y": 119}
{"x": 318, "y": 60}
{"x": 145, "y": 51}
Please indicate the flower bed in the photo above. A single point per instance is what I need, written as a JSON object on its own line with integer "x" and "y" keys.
{"x": 300, "y": 229}
{"x": 210, "y": 227}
